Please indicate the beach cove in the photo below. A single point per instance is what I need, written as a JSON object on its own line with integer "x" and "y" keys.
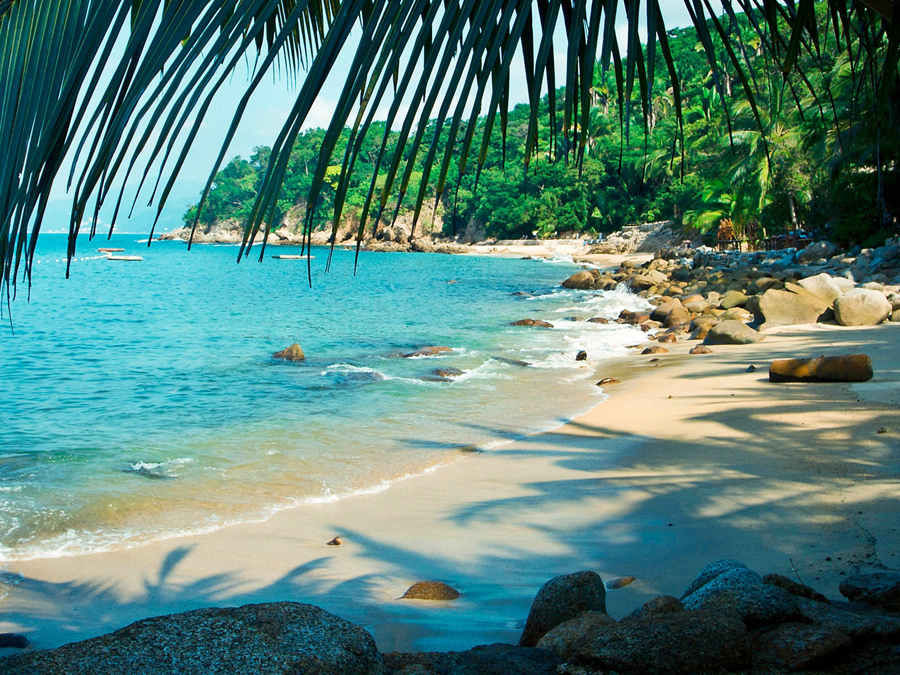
{"x": 691, "y": 459}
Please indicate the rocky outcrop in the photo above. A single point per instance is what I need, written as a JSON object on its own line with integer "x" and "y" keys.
{"x": 646, "y": 238}
{"x": 282, "y": 638}
{"x": 560, "y": 599}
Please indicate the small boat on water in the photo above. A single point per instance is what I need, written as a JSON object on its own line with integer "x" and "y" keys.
{"x": 294, "y": 257}
{"x": 110, "y": 250}
{"x": 135, "y": 258}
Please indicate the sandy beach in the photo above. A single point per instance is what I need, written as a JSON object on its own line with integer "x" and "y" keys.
{"x": 690, "y": 459}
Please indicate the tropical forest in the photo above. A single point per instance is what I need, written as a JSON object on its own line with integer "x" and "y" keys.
{"x": 768, "y": 151}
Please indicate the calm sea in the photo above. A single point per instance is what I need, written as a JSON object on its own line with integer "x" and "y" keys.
{"x": 140, "y": 399}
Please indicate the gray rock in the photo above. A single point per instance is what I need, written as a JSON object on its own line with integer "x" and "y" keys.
{"x": 663, "y": 604}
{"x": 796, "y": 646}
{"x": 733, "y": 299}
{"x": 757, "y": 603}
{"x": 857, "y": 626}
{"x": 732, "y": 333}
{"x": 815, "y": 251}
{"x": 822, "y": 286}
{"x": 570, "y": 632}
{"x": 861, "y": 307}
{"x": 560, "y": 599}
{"x": 496, "y": 659}
{"x": 877, "y": 588}
{"x": 787, "y": 308}
{"x": 276, "y": 638}
{"x": 682, "y": 643}
{"x": 793, "y": 587}
{"x": 717, "y": 569}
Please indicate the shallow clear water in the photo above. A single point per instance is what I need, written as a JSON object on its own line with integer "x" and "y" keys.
{"x": 140, "y": 400}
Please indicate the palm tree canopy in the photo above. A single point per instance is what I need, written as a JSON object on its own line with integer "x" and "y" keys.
{"x": 112, "y": 88}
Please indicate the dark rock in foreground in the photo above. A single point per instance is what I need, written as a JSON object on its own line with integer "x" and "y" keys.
{"x": 496, "y": 659}
{"x": 560, "y": 599}
{"x": 679, "y": 643}
{"x": 879, "y": 588}
{"x": 282, "y": 638}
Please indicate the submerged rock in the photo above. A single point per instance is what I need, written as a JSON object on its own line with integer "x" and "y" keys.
{"x": 540, "y": 323}
{"x": 427, "y": 351}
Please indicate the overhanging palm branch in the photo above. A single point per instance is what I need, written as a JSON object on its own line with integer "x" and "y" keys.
{"x": 446, "y": 62}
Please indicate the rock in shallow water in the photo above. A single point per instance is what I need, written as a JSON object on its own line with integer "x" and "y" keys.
{"x": 431, "y": 590}
{"x": 292, "y": 353}
{"x": 279, "y": 638}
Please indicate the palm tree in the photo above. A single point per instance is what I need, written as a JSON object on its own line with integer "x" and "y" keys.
{"x": 73, "y": 98}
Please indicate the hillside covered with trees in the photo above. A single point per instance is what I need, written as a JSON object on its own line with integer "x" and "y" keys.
{"x": 807, "y": 153}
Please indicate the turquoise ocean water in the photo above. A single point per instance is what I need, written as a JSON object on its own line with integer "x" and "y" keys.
{"x": 140, "y": 400}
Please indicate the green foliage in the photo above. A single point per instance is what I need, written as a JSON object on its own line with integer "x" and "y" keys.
{"x": 801, "y": 155}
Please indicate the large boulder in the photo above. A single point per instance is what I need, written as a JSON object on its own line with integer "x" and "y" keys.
{"x": 823, "y": 286}
{"x": 680, "y": 643}
{"x": 732, "y": 333}
{"x": 279, "y": 638}
{"x": 560, "y": 599}
{"x": 787, "y": 308}
{"x": 845, "y": 368}
{"x": 797, "y": 646}
{"x": 878, "y": 588}
{"x": 580, "y": 280}
{"x": 861, "y": 307}
{"x": 816, "y": 251}
{"x": 733, "y": 299}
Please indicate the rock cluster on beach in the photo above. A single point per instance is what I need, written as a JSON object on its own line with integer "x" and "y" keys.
{"x": 731, "y": 297}
{"x": 728, "y": 620}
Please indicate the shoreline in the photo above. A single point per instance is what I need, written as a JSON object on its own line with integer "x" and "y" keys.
{"x": 733, "y": 472}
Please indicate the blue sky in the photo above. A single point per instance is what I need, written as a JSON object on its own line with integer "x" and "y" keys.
{"x": 261, "y": 124}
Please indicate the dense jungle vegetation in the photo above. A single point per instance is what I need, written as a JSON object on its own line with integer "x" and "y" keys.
{"x": 816, "y": 158}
